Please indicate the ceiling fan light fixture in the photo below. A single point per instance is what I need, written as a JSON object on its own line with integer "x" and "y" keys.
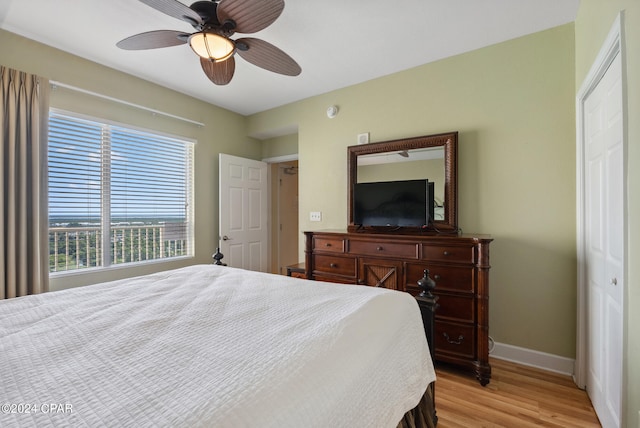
{"x": 211, "y": 46}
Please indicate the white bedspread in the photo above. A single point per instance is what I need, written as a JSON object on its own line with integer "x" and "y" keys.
{"x": 212, "y": 346}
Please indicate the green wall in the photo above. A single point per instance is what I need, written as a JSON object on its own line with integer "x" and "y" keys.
{"x": 594, "y": 21}
{"x": 513, "y": 104}
{"x": 285, "y": 145}
{"x": 223, "y": 131}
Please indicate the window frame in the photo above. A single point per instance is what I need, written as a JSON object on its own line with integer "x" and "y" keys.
{"x": 105, "y": 211}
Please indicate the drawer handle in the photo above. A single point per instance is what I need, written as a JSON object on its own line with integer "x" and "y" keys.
{"x": 446, "y": 253}
{"x": 379, "y": 248}
{"x": 333, "y": 265}
{"x": 436, "y": 277}
{"x": 327, "y": 244}
{"x": 454, "y": 342}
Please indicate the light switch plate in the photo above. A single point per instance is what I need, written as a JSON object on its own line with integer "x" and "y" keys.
{"x": 363, "y": 138}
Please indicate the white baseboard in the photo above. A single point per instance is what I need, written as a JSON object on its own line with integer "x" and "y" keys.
{"x": 529, "y": 357}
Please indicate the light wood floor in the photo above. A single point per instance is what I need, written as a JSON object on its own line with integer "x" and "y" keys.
{"x": 517, "y": 396}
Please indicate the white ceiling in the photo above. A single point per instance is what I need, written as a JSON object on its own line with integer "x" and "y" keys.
{"x": 337, "y": 43}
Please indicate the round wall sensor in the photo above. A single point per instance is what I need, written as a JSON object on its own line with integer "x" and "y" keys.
{"x": 332, "y": 112}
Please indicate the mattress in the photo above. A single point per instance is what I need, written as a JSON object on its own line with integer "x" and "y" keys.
{"x": 212, "y": 346}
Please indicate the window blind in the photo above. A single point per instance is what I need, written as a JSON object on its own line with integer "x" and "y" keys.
{"x": 116, "y": 194}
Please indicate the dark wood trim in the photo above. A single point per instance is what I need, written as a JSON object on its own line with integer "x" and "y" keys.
{"x": 428, "y": 304}
{"x": 483, "y": 369}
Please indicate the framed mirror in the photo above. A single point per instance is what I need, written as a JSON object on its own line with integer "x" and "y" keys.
{"x": 432, "y": 157}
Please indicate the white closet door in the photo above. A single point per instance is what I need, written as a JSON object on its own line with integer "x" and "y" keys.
{"x": 604, "y": 220}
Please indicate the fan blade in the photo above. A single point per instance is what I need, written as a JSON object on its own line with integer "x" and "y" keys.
{"x": 265, "y": 55}
{"x": 176, "y": 9}
{"x": 153, "y": 40}
{"x": 219, "y": 72}
{"x": 250, "y": 16}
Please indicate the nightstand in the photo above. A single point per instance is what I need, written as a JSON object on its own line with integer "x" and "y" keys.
{"x": 296, "y": 271}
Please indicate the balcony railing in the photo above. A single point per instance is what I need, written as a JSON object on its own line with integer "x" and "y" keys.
{"x": 80, "y": 247}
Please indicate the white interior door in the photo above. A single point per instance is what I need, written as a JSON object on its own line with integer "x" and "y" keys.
{"x": 604, "y": 243}
{"x": 243, "y": 212}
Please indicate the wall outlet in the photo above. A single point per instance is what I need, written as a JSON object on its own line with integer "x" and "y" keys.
{"x": 315, "y": 216}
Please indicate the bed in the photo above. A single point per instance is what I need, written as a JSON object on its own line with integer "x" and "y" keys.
{"x": 215, "y": 346}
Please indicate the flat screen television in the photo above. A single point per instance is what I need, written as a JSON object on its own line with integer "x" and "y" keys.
{"x": 393, "y": 203}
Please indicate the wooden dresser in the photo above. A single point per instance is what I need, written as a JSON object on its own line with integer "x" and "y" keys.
{"x": 458, "y": 264}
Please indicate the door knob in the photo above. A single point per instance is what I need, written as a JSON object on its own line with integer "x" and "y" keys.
{"x": 225, "y": 238}
{"x": 614, "y": 281}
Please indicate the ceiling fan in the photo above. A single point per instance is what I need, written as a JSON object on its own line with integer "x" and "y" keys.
{"x": 215, "y": 21}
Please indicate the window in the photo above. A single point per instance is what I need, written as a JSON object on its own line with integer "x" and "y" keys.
{"x": 116, "y": 194}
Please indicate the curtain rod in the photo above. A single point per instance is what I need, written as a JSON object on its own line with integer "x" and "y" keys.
{"x": 55, "y": 84}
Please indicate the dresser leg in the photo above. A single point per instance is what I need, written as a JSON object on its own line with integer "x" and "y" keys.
{"x": 483, "y": 373}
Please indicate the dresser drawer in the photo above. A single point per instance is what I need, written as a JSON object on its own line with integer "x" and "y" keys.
{"x": 457, "y": 308}
{"x": 450, "y": 278}
{"x": 332, "y": 245}
{"x": 455, "y": 339}
{"x": 338, "y": 279}
{"x": 389, "y": 249}
{"x": 335, "y": 265}
{"x": 448, "y": 253}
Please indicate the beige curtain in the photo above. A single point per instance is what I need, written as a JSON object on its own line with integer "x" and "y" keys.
{"x": 24, "y": 248}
